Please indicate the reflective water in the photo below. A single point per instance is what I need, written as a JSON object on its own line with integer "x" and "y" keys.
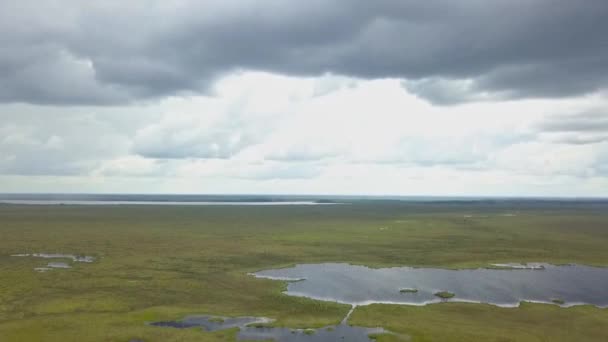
{"x": 75, "y": 258}
{"x": 507, "y": 285}
{"x": 528, "y": 266}
{"x": 85, "y": 202}
{"x": 58, "y": 265}
{"x": 341, "y": 332}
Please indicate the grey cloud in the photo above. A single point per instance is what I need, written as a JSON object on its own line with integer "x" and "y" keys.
{"x": 165, "y": 144}
{"x": 77, "y": 52}
{"x": 581, "y": 140}
{"x": 583, "y": 128}
{"x": 66, "y": 144}
{"x": 303, "y": 153}
{"x": 198, "y": 136}
{"x": 58, "y": 78}
{"x": 447, "y": 92}
{"x": 590, "y": 121}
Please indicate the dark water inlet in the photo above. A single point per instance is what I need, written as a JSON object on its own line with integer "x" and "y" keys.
{"x": 507, "y": 285}
{"x": 210, "y": 323}
{"x": 248, "y": 330}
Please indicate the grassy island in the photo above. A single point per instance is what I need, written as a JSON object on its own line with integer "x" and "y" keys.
{"x": 444, "y": 294}
{"x": 408, "y": 290}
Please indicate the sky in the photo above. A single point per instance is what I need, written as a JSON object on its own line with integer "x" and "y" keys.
{"x": 359, "y": 97}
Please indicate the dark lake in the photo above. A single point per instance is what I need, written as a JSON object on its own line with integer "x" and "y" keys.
{"x": 359, "y": 285}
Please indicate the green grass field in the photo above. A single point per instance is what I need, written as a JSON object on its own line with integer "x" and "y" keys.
{"x": 162, "y": 262}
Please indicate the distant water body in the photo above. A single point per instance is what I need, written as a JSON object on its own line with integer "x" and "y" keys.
{"x": 190, "y": 200}
{"x": 59, "y": 202}
{"x": 273, "y": 200}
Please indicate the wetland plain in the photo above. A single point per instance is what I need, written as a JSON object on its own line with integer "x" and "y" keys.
{"x": 164, "y": 263}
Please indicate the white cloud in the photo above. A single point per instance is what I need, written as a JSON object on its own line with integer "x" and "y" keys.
{"x": 263, "y": 133}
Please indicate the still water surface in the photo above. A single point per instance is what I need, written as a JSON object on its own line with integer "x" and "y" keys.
{"x": 360, "y": 285}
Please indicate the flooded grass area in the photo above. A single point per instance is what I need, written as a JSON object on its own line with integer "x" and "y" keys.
{"x": 212, "y": 323}
{"x": 56, "y": 264}
{"x": 73, "y": 257}
{"x": 163, "y": 263}
{"x": 254, "y": 329}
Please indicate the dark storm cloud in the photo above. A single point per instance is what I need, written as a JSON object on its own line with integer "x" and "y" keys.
{"x": 75, "y": 52}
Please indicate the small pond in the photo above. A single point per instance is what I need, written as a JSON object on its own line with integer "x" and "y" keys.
{"x": 504, "y": 285}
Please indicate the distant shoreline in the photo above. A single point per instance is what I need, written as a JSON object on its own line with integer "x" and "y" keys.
{"x": 163, "y": 203}
{"x": 320, "y": 198}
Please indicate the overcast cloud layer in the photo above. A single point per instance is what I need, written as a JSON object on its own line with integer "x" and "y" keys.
{"x": 112, "y": 52}
{"x": 439, "y": 97}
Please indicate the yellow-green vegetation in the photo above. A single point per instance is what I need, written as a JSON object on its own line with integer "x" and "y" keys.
{"x": 309, "y": 331}
{"x": 162, "y": 263}
{"x": 463, "y": 322}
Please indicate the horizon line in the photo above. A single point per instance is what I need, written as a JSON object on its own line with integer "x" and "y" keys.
{"x": 379, "y": 196}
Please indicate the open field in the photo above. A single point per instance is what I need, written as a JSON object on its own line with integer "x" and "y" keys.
{"x": 162, "y": 262}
